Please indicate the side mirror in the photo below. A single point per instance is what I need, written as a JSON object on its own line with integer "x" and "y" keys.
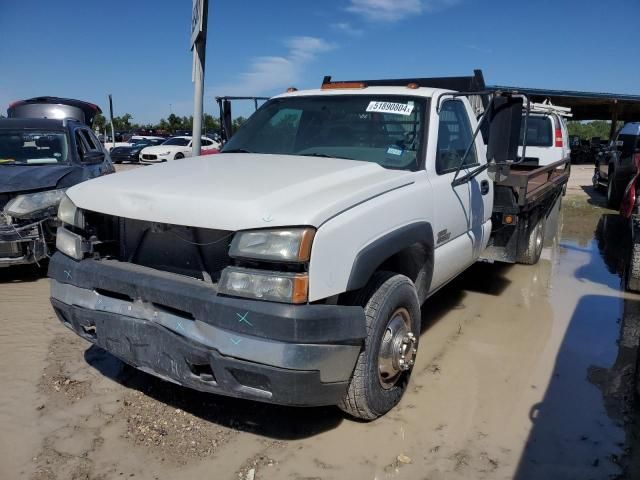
{"x": 93, "y": 157}
{"x": 619, "y": 144}
{"x": 505, "y": 122}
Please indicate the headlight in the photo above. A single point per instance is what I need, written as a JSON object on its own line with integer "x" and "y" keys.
{"x": 28, "y": 204}
{"x": 264, "y": 285}
{"x": 70, "y": 214}
{"x": 280, "y": 245}
{"x": 164, "y": 153}
{"x": 70, "y": 244}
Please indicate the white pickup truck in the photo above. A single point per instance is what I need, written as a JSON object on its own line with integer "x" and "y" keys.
{"x": 292, "y": 268}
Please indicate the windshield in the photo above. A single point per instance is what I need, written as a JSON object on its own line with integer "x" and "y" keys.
{"x": 31, "y": 147}
{"x": 183, "y": 142}
{"x": 387, "y": 130}
{"x": 538, "y": 131}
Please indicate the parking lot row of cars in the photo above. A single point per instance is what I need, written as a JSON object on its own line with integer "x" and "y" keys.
{"x": 149, "y": 149}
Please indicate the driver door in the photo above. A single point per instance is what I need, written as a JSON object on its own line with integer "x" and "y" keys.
{"x": 452, "y": 204}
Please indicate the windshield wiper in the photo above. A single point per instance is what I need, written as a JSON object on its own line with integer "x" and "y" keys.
{"x": 236, "y": 150}
{"x": 322, "y": 155}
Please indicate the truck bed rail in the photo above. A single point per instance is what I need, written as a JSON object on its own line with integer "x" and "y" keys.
{"x": 532, "y": 184}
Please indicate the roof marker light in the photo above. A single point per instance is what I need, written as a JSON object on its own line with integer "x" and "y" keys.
{"x": 340, "y": 85}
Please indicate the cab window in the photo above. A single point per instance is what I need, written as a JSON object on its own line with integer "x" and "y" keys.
{"x": 454, "y": 137}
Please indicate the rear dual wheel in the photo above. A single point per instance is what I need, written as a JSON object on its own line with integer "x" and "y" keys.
{"x": 529, "y": 253}
{"x": 381, "y": 375}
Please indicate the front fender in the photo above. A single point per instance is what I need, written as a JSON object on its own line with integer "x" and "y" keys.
{"x": 348, "y": 248}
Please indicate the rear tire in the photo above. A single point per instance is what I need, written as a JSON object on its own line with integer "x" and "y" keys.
{"x": 529, "y": 254}
{"x": 633, "y": 269}
{"x": 614, "y": 195}
{"x": 383, "y": 368}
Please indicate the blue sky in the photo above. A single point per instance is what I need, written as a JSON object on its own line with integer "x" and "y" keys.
{"x": 139, "y": 50}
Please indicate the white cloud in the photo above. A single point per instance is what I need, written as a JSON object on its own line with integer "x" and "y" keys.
{"x": 347, "y": 28}
{"x": 393, "y": 10}
{"x": 269, "y": 73}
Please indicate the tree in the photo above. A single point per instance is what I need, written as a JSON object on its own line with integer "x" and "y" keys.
{"x": 99, "y": 121}
{"x": 588, "y": 130}
{"x": 237, "y": 122}
{"x": 174, "y": 122}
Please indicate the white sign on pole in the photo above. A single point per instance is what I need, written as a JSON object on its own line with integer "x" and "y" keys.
{"x": 197, "y": 21}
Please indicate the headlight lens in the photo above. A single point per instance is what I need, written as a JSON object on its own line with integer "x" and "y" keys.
{"x": 28, "y": 204}
{"x": 264, "y": 285}
{"x": 70, "y": 244}
{"x": 70, "y": 214}
{"x": 280, "y": 245}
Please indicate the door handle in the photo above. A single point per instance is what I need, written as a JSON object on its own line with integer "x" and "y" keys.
{"x": 484, "y": 187}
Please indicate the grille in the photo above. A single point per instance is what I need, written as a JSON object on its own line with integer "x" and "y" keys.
{"x": 146, "y": 156}
{"x": 195, "y": 252}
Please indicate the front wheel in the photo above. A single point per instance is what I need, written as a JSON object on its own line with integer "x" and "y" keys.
{"x": 178, "y": 156}
{"x": 383, "y": 368}
{"x": 614, "y": 196}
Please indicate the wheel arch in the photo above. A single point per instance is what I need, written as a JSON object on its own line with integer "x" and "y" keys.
{"x": 407, "y": 250}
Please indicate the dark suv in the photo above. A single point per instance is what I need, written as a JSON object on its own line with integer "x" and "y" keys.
{"x": 39, "y": 159}
{"x": 615, "y": 165}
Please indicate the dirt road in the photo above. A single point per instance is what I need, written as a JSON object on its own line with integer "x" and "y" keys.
{"x": 522, "y": 373}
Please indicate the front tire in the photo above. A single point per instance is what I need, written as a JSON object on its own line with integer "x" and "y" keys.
{"x": 614, "y": 195}
{"x": 382, "y": 372}
{"x": 633, "y": 272}
{"x": 178, "y": 156}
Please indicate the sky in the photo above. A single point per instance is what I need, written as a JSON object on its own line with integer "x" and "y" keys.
{"x": 138, "y": 50}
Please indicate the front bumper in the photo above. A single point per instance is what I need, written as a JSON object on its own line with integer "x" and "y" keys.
{"x": 181, "y": 330}
{"x": 125, "y": 157}
{"x": 157, "y": 159}
{"x": 22, "y": 244}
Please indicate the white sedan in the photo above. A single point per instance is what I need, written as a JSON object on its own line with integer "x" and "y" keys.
{"x": 174, "y": 148}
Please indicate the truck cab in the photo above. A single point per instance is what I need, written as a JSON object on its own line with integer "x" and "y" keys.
{"x": 292, "y": 267}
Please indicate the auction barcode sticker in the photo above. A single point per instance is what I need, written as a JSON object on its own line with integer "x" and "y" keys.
{"x": 390, "y": 107}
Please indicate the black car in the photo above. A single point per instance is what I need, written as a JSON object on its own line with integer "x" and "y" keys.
{"x": 616, "y": 164}
{"x": 132, "y": 153}
{"x": 39, "y": 159}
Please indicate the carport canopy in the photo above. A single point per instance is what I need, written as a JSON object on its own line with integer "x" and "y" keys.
{"x": 587, "y": 105}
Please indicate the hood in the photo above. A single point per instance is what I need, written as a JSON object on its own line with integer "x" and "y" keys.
{"x": 23, "y": 178}
{"x": 233, "y": 191}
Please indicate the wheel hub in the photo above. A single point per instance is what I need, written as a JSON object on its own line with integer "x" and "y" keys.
{"x": 397, "y": 349}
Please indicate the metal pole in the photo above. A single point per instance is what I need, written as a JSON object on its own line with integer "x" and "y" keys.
{"x": 113, "y": 131}
{"x": 198, "y": 54}
{"x": 199, "y": 50}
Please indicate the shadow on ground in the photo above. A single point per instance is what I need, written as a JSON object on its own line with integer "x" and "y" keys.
{"x": 23, "y": 273}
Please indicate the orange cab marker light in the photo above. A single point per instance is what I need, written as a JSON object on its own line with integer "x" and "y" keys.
{"x": 413, "y": 86}
{"x": 339, "y": 85}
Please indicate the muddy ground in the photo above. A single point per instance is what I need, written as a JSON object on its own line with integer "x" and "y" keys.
{"x": 523, "y": 372}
